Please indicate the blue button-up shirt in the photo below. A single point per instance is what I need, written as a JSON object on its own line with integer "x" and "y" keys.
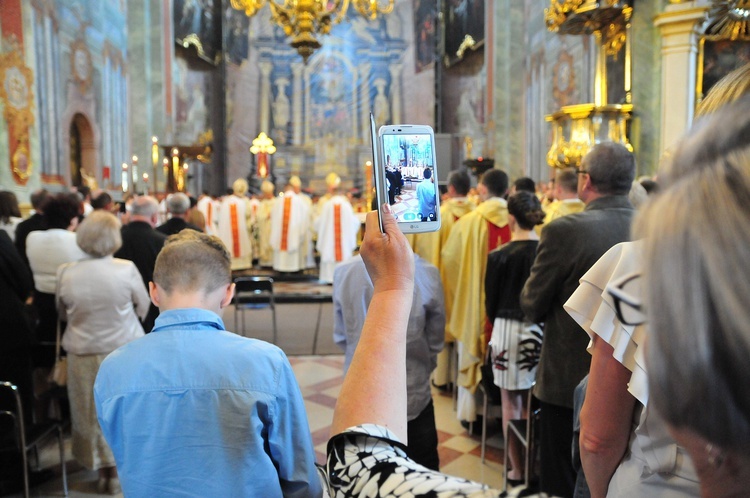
{"x": 194, "y": 410}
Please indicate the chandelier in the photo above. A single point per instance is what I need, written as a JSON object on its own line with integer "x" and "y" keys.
{"x": 304, "y": 20}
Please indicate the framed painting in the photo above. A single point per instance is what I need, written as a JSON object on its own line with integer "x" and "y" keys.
{"x": 716, "y": 59}
{"x": 197, "y": 24}
{"x": 425, "y": 22}
{"x": 464, "y": 28}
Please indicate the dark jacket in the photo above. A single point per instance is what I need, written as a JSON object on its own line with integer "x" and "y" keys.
{"x": 32, "y": 223}
{"x": 569, "y": 246}
{"x": 141, "y": 245}
{"x": 175, "y": 225}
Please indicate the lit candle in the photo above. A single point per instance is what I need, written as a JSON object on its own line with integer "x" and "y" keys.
{"x": 124, "y": 177}
{"x": 145, "y": 182}
{"x": 134, "y": 172}
{"x": 176, "y": 166}
{"x": 155, "y": 160}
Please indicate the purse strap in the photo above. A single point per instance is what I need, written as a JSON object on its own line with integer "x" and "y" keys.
{"x": 57, "y": 343}
{"x": 57, "y": 294}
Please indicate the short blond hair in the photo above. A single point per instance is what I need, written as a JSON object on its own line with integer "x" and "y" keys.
{"x": 192, "y": 261}
{"x": 728, "y": 89}
{"x": 99, "y": 234}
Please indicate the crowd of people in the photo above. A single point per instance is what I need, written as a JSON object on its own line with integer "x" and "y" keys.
{"x": 557, "y": 293}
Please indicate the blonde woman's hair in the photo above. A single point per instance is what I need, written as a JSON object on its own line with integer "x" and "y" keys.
{"x": 192, "y": 261}
{"x": 98, "y": 235}
{"x": 697, "y": 284}
{"x": 728, "y": 89}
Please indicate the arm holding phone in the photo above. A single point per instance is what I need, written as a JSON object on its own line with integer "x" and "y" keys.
{"x": 366, "y": 449}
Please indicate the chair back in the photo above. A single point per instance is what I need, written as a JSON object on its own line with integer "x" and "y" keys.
{"x": 253, "y": 291}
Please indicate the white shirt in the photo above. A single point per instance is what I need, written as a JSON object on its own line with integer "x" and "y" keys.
{"x": 47, "y": 250}
{"x": 102, "y": 299}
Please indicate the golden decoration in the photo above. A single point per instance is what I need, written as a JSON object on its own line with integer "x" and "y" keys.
{"x": 21, "y": 161}
{"x": 728, "y": 20}
{"x": 615, "y": 35}
{"x": 467, "y": 43}
{"x": 304, "y": 20}
{"x": 16, "y": 80}
{"x": 81, "y": 67}
{"x": 192, "y": 40}
{"x": 558, "y": 12}
{"x": 577, "y": 128}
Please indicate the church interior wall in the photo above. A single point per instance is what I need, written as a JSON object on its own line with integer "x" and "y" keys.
{"x": 77, "y": 54}
{"x": 116, "y": 64}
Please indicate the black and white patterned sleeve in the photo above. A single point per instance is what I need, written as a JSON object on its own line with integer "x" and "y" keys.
{"x": 369, "y": 461}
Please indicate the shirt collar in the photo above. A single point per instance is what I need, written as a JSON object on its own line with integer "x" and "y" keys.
{"x": 188, "y": 318}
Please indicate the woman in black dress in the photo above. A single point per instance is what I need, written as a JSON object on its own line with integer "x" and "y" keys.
{"x": 516, "y": 343}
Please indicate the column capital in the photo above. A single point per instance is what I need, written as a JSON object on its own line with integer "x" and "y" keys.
{"x": 265, "y": 67}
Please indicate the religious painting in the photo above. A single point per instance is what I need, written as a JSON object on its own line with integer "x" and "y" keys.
{"x": 717, "y": 59}
{"x": 425, "y": 22}
{"x": 464, "y": 28}
{"x": 236, "y": 40}
{"x": 197, "y": 24}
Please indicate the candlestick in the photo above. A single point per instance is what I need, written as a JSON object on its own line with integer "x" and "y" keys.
{"x": 155, "y": 161}
{"x": 124, "y": 177}
{"x": 134, "y": 172}
{"x": 176, "y": 168}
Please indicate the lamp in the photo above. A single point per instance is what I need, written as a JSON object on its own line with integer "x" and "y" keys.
{"x": 262, "y": 147}
{"x": 303, "y": 20}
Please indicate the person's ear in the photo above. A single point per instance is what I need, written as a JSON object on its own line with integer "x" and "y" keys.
{"x": 153, "y": 291}
{"x": 227, "y": 299}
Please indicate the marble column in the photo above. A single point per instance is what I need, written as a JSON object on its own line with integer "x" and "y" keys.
{"x": 395, "y": 70}
{"x": 678, "y": 25}
{"x": 307, "y": 106}
{"x": 107, "y": 158}
{"x": 364, "y": 100}
{"x": 297, "y": 68}
{"x": 265, "y": 96}
{"x": 356, "y": 104}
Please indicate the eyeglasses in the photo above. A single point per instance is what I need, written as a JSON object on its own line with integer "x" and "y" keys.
{"x": 626, "y": 293}
{"x": 583, "y": 172}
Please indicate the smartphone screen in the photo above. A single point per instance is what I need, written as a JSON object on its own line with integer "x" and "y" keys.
{"x": 406, "y": 175}
{"x": 410, "y": 182}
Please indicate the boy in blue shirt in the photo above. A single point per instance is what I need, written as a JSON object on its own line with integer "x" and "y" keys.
{"x": 194, "y": 410}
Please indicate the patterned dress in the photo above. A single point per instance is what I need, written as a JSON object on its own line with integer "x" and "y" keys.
{"x": 516, "y": 343}
{"x": 369, "y": 461}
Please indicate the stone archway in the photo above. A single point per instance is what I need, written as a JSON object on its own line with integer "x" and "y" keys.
{"x": 82, "y": 147}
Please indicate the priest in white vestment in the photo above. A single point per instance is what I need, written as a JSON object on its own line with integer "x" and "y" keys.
{"x": 290, "y": 219}
{"x": 308, "y": 255}
{"x": 263, "y": 222}
{"x": 234, "y": 225}
{"x": 210, "y": 209}
{"x": 337, "y": 228}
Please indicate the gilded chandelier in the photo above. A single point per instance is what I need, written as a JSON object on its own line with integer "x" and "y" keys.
{"x": 304, "y": 20}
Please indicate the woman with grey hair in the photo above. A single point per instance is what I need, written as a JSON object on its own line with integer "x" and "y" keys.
{"x": 697, "y": 293}
{"x": 626, "y": 446}
{"x": 102, "y": 298}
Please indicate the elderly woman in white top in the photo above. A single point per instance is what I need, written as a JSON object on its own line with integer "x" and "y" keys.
{"x": 46, "y": 251}
{"x": 102, "y": 299}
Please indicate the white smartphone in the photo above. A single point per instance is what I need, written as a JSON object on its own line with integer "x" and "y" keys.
{"x": 405, "y": 170}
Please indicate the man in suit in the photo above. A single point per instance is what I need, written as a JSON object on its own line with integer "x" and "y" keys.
{"x": 569, "y": 246}
{"x": 32, "y": 223}
{"x": 141, "y": 245}
{"x": 178, "y": 205}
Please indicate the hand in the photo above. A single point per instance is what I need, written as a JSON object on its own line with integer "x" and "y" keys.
{"x": 387, "y": 256}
